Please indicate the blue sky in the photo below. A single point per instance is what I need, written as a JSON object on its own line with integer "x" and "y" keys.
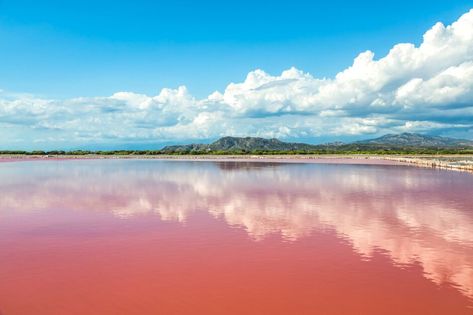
{"x": 58, "y": 51}
{"x": 90, "y": 48}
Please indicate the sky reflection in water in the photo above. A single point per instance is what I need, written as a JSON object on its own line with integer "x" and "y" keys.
{"x": 420, "y": 220}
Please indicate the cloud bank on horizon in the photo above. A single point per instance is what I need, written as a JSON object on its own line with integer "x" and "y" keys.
{"x": 428, "y": 88}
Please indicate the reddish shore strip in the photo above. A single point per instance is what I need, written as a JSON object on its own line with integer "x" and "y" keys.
{"x": 458, "y": 163}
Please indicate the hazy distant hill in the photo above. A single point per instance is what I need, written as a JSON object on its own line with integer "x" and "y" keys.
{"x": 247, "y": 144}
{"x": 418, "y": 140}
{"x": 390, "y": 142}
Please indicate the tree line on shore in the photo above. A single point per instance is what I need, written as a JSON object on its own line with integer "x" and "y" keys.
{"x": 321, "y": 151}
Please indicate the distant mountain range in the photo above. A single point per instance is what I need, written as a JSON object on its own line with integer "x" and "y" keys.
{"x": 241, "y": 144}
{"x": 408, "y": 141}
{"x": 415, "y": 139}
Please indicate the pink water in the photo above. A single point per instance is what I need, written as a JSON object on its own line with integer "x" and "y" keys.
{"x": 175, "y": 237}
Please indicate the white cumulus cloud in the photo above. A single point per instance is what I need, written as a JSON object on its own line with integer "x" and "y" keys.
{"x": 413, "y": 88}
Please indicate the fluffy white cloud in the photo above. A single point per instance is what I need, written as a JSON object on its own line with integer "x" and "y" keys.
{"x": 424, "y": 88}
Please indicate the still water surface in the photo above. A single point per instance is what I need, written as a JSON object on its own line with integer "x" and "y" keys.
{"x": 174, "y": 237}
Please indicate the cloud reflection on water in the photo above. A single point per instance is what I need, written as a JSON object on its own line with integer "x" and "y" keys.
{"x": 413, "y": 215}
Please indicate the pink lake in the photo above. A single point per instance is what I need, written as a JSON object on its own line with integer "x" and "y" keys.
{"x": 182, "y": 237}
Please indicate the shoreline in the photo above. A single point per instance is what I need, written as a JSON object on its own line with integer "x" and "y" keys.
{"x": 447, "y": 162}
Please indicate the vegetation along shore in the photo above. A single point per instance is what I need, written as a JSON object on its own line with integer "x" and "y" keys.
{"x": 406, "y": 148}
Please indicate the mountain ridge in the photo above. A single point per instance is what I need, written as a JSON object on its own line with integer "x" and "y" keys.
{"x": 416, "y": 139}
{"x": 257, "y": 144}
{"x": 240, "y": 143}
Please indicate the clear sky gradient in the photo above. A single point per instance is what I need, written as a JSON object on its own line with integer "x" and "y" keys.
{"x": 90, "y": 48}
{"x": 115, "y": 74}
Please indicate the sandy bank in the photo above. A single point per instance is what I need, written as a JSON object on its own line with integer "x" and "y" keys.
{"x": 453, "y": 162}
